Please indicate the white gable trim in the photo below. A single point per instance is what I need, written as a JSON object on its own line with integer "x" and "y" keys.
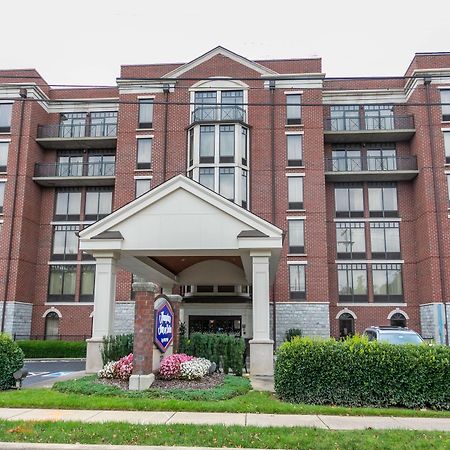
{"x": 219, "y": 51}
{"x": 194, "y": 188}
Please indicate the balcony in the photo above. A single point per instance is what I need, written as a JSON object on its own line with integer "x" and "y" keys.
{"x": 75, "y": 174}
{"x": 218, "y": 113}
{"x": 77, "y": 136}
{"x": 392, "y": 128}
{"x": 371, "y": 168}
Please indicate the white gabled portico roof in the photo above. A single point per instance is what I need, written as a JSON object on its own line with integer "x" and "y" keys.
{"x": 178, "y": 215}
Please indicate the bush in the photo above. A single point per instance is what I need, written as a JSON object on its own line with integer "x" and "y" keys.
{"x": 11, "y": 359}
{"x": 120, "y": 370}
{"x": 195, "y": 369}
{"x": 116, "y": 347}
{"x": 53, "y": 349}
{"x": 226, "y": 351}
{"x": 293, "y": 332}
{"x": 356, "y": 372}
{"x": 170, "y": 367}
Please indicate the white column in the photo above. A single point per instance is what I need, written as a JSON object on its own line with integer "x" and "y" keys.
{"x": 261, "y": 346}
{"x": 104, "y": 307}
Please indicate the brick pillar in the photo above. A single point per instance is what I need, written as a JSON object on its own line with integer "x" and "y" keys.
{"x": 144, "y": 317}
{"x": 175, "y": 302}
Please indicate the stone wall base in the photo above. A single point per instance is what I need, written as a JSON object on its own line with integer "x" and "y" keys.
{"x": 17, "y": 319}
{"x": 432, "y": 321}
{"x": 124, "y": 317}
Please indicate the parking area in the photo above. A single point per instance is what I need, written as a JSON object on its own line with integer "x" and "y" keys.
{"x": 42, "y": 373}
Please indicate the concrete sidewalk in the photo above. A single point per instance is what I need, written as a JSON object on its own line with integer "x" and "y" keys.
{"x": 241, "y": 419}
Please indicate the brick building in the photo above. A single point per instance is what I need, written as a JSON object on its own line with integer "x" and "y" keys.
{"x": 353, "y": 171}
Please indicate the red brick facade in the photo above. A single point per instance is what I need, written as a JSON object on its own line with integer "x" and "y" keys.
{"x": 29, "y": 206}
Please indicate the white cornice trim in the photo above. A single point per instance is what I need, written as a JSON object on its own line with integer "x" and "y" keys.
{"x": 362, "y": 96}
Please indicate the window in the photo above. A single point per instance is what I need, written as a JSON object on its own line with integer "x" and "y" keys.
{"x": 87, "y": 283}
{"x": 387, "y": 283}
{"x": 385, "y": 240}
{"x": 62, "y": 283}
{"x": 381, "y": 159}
{"x": 98, "y": 204}
{"x": 2, "y": 195}
{"x": 293, "y": 109}
{"x": 350, "y": 240}
{"x": 103, "y": 124}
{"x": 344, "y": 118}
{"x": 68, "y": 205}
{"x": 346, "y": 325}
{"x": 226, "y": 182}
{"x": 206, "y": 177}
{"x": 445, "y": 98}
{"x": 191, "y": 147}
{"x": 143, "y": 185}
{"x": 206, "y": 144}
{"x": 72, "y": 125}
{"x": 205, "y": 106}
{"x": 244, "y": 188}
{"x": 347, "y": 160}
{"x": 349, "y": 201}
{"x": 226, "y": 144}
{"x": 69, "y": 166}
{"x": 232, "y": 105}
{"x": 101, "y": 165}
{"x": 144, "y": 153}
{"x": 244, "y": 146}
{"x": 4, "y": 146}
{"x": 146, "y": 113}
{"x": 352, "y": 282}
{"x": 297, "y": 281}
{"x": 294, "y": 149}
{"x": 448, "y": 189}
{"x": 379, "y": 117}
{"x": 398, "y": 320}
{"x": 295, "y": 192}
{"x": 447, "y": 146}
{"x": 296, "y": 232}
{"x": 5, "y": 117}
{"x": 51, "y": 326}
{"x": 383, "y": 200}
{"x": 65, "y": 242}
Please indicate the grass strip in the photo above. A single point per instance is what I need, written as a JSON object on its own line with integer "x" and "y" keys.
{"x": 218, "y": 436}
{"x": 252, "y": 402}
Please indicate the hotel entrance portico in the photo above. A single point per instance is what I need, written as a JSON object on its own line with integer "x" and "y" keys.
{"x": 179, "y": 234}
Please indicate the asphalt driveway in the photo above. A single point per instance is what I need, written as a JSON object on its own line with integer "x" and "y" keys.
{"x": 42, "y": 373}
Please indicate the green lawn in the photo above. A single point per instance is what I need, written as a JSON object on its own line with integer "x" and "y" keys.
{"x": 218, "y": 436}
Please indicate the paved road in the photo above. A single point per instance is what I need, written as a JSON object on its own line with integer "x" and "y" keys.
{"x": 42, "y": 372}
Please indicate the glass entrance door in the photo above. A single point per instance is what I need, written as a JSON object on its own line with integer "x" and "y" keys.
{"x": 216, "y": 324}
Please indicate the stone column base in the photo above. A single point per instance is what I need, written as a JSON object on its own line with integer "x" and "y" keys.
{"x": 94, "y": 360}
{"x": 261, "y": 357}
{"x": 141, "y": 382}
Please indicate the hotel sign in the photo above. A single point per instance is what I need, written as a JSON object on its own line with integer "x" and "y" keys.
{"x": 164, "y": 323}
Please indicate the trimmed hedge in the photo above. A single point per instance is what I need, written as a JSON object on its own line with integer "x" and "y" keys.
{"x": 226, "y": 351}
{"x": 53, "y": 349}
{"x": 356, "y": 372}
{"x": 11, "y": 359}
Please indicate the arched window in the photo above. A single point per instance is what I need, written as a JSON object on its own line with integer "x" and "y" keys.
{"x": 51, "y": 326}
{"x": 398, "y": 320}
{"x": 346, "y": 325}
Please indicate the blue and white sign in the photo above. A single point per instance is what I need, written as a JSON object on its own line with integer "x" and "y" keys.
{"x": 164, "y": 322}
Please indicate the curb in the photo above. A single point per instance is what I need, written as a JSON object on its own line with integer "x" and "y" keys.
{"x": 53, "y": 359}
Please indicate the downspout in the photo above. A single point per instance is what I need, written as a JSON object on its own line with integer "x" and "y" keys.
{"x": 23, "y": 96}
{"x": 273, "y": 212}
{"x": 427, "y": 82}
{"x": 166, "y": 90}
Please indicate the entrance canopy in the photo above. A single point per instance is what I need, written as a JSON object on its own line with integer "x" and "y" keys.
{"x": 183, "y": 233}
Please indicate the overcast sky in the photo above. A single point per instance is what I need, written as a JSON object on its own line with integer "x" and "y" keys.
{"x": 86, "y": 41}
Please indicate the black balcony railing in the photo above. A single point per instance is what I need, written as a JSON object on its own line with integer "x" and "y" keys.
{"x": 370, "y": 163}
{"x": 216, "y": 113}
{"x": 369, "y": 123}
{"x": 67, "y": 131}
{"x": 97, "y": 169}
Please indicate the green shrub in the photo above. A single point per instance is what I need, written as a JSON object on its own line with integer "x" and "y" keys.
{"x": 53, "y": 349}
{"x": 292, "y": 332}
{"x": 226, "y": 351}
{"x": 356, "y": 372}
{"x": 116, "y": 347}
{"x": 11, "y": 359}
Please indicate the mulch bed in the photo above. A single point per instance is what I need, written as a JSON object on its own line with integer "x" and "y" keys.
{"x": 207, "y": 382}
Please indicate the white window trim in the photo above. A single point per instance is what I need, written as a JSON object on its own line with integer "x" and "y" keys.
{"x": 293, "y": 92}
{"x": 298, "y": 174}
{"x": 395, "y": 311}
{"x": 146, "y": 97}
{"x": 143, "y": 177}
{"x": 50, "y": 310}
{"x": 297, "y": 263}
{"x": 367, "y": 219}
{"x": 72, "y": 263}
{"x": 369, "y": 261}
{"x": 8, "y": 141}
{"x": 374, "y": 304}
{"x": 346, "y": 311}
{"x": 294, "y": 132}
{"x": 296, "y": 217}
{"x": 144, "y": 136}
